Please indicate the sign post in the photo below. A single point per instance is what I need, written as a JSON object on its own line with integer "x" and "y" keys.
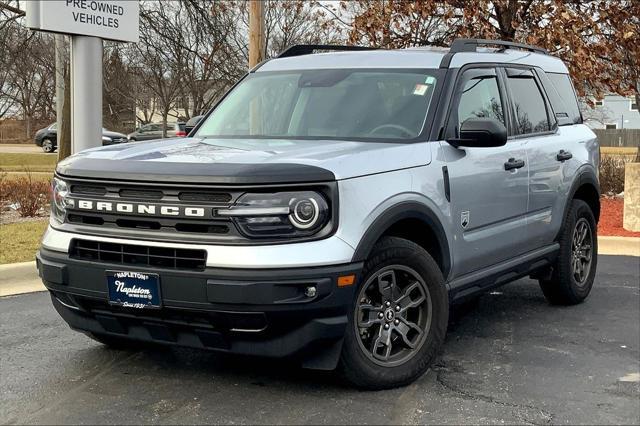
{"x": 88, "y": 22}
{"x": 86, "y": 93}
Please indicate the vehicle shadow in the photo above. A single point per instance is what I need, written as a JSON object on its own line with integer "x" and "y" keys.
{"x": 467, "y": 319}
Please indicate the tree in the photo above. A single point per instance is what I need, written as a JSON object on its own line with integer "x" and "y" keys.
{"x": 599, "y": 40}
{"x": 27, "y": 83}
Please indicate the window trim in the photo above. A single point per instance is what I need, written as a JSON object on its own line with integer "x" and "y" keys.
{"x": 631, "y": 102}
{"x": 610, "y": 124}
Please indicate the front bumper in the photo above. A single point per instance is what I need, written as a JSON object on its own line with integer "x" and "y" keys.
{"x": 245, "y": 311}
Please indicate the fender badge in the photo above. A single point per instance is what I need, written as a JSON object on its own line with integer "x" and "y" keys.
{"x": 464, "y": 218}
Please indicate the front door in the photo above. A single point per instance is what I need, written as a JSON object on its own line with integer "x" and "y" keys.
{"x": 488, "y": 185}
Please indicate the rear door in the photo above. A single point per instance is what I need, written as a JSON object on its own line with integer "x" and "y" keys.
{"x": 548, "y": 154}
{"x": 488, "y": 185}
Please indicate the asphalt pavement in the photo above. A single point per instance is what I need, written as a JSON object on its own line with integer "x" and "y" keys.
{"x": 509, "y": 357}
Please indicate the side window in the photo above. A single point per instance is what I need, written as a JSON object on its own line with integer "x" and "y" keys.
{"x": 564, "y": 88}
{"x": 528, "y": 103}
{"x": 480, "y": 98}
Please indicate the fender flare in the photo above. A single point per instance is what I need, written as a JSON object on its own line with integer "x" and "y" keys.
{"x": 396, "y": 213}
{"x": 586, "y": 176}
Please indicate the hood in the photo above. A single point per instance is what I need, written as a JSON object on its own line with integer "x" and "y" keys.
{"x": 243, "y": 161}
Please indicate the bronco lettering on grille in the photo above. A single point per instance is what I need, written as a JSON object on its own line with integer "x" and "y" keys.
{"x": 140, "y": 209}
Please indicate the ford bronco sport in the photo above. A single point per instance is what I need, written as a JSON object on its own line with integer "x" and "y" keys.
{"x": 332, "y": 206}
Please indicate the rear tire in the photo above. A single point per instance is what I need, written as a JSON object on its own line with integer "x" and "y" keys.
{"x": 392, "y": 344}
{"x": 47, "y": 145}
{"x": 575, "y": 268}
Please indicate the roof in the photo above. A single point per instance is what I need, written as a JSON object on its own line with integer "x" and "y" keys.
{"x": 416, "y": 58}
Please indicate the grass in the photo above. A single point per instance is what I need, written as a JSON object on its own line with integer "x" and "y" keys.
{"x": 36, "y": 176}
{"x": 19, "y": 241}
{"x": 33, "y": 162}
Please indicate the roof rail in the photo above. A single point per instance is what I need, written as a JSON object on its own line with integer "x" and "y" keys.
{"x": 471, "y": 44}
{"x": 306, "y": 49}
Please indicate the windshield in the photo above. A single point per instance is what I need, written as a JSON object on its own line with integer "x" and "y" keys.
{"x": 325, "y": 104}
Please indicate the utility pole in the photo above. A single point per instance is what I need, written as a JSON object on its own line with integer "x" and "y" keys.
{"x": 60, "y": 64}
{"x": 256, "y": 32}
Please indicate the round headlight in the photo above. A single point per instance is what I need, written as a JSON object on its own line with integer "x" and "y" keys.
{"x": 60, "y": 192}
{"x": 279, "y": 214}
{"x": 59, "y": 201}
{"x": 304, "y": 213}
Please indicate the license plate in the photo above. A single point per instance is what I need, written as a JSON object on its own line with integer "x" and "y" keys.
{"x": 136, "y": 290}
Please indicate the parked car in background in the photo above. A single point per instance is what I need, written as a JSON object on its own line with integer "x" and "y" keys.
{"x": 47, "y": 138}
{"x": 154, "y": 131}
{"x": 192, "y": 122}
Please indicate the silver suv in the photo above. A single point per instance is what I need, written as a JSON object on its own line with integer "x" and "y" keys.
{"x": 332, "y": 206}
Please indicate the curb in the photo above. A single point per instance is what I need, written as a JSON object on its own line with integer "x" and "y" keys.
{"x": 619, "y": 246}
{"x": 20, "y": 278}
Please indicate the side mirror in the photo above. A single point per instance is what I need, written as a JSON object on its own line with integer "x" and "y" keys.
{"x": 480, "y": 132}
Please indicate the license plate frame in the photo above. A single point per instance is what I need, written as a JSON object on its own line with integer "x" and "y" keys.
{"x": 133, "y": 289}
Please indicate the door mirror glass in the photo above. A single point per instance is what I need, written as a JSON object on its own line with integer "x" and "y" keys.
{"x": 481, "y": 132}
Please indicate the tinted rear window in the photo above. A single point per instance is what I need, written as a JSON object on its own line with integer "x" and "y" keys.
{"x": 531, "y": 112}
{"x": 564, "y": 88}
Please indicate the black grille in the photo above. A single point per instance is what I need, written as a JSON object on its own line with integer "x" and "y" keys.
{"x": 128, "y": 254}
{"x": 172, "y": 228}
{"x": 212, "y": 197}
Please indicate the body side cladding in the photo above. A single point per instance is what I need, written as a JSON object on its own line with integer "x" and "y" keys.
{"x": 399, "y": 212}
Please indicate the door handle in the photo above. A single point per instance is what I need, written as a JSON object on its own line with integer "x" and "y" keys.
{"x": 564, "y": 155}
{"x": 513, "y": 164}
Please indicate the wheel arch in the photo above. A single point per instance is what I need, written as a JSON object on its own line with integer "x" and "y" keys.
{"x": 586, "y": 188}
{"x": 413, "y": 221}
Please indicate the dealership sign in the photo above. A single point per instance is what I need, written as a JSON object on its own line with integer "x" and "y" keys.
{"x": 107, "y": 19}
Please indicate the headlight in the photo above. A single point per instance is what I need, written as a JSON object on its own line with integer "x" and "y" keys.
{"x": 280, "y": 214}
{"x": 59, "y": 200}
{"x": 106, "y": 139}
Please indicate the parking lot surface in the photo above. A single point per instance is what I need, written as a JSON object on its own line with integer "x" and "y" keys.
{"x": 509, "y": 357}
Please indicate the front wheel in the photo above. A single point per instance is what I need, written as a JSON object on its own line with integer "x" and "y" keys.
{"x": 575, "y": 268}
{"x": 47, "y": 145}
{"x": 399, "y": 318}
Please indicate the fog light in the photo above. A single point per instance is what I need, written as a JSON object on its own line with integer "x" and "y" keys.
{"x": 310, "y": 291}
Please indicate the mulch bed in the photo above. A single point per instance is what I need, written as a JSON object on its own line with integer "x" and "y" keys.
{"x": 611, "y": 210}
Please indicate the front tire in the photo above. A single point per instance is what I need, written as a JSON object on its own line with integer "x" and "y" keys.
{"x": 575, "y": 268}
{"x": 47, "y": 146}
{"x": 399, "y": 318}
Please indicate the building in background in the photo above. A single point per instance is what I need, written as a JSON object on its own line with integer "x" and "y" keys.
{"x": 612, "y": 112}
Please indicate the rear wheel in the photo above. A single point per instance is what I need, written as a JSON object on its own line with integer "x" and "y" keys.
{"x": 47, "y": 145}
{"x": 575, "y": 268}
{"x": 399, "y": 318}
